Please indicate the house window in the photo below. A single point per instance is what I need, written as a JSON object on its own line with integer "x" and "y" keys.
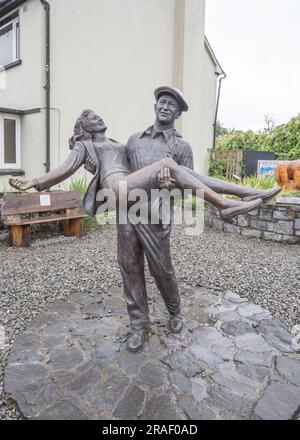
{"x": 9, "y": 42}
{"x": 10, "y": 145}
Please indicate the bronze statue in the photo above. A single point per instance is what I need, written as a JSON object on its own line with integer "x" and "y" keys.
{"x": 158, "y": 157}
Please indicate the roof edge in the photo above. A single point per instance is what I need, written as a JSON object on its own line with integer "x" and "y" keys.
{"x": 212, "y": 55}
{"x": 7, "y": 6}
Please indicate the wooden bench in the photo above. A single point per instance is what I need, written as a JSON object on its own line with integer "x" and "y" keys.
{"x": 22, "y": 211}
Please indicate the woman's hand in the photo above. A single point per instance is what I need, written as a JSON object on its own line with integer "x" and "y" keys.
{"x": 21, "y": 184}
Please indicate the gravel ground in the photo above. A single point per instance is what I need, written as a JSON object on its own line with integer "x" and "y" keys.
{"x": 53, "y": 268}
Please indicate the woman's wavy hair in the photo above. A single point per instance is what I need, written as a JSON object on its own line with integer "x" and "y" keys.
{"x": 80, "y": 134}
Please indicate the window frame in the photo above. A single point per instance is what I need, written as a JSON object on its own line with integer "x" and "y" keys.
{"x": 17, "y": 119}
{"x": 14, "y": 20}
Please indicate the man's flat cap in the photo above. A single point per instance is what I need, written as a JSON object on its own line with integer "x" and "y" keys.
{"x": 166, "y": 90}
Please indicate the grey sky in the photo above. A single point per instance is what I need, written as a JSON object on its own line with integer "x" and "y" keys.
{"x": 257, "y": 42}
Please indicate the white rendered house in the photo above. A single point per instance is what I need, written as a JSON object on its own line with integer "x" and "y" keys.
{"x": 59, "y": 57}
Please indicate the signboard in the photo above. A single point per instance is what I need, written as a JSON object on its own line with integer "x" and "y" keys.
{"x": 266, "y": 168}
{"x": 45, "y": 200}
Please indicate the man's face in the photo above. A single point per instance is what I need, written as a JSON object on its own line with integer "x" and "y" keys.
{"x": 167, "y": 109}
{"x": 93, "y": 123}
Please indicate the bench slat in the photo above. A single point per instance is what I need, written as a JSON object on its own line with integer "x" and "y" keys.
{"x": 38, "y": 202}
{"x": 36, "y": 221}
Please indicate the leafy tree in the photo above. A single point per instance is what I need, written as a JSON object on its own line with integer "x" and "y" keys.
{"x": 283, "y": 140}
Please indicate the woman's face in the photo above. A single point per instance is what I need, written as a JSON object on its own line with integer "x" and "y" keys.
{"x": 93, "y": 123}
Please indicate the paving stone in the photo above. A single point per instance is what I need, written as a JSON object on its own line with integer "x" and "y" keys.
{"x": 253, "y": 372}
{"x": 197, "y": 410}
{"x": 248, "y": 310}
{"x": 217, "y": 343}
{"x": 206, "y": 355}
{"x": 23, "y": 357}
{"x": 105, "y": 398}
{"x": 83, "y": 299}
{"x": 289, "y": 369}
{"x": 234, "y": 402}
{"x": 20, "y": 375}
{"x": 27, "y": 341}
{"x": 131, "y": 362}
{"x": 41, "y": 395}
{"x": 153, "y": 376}
{"x": 58, "y": 328}
{"x": 261, "y": 316}
{"x": 181, "y": 382}
{"x": 65, "y": 359}
{"x": 95, "y": 310}
{"x": 235, "y": 392}
{"x": 263, "y": 359}
{"x": 161, "y": 407}
{"x": 53, "y": 342}
{"x": 40, "y": 321}
{"x": 105, "y": 354}
{"x": 184, "y": 363}
{"x": 234, "y": 297}
{"x": 83, "y": 384}
{"x": 237, "y": 328}
{"x": 214, "y": 369}
{"x": 252, "y": 342}
{"x": 280, "y": 401}
{"x": 131, "y": 405}
{"x": 276, "y": 335}
{"x": 62, "y": 307}
{"x": 207, "y": 300}
{"x": 62, "y": 410}
{"x": 228, "y": 316}
{"x": 195, "y": 388}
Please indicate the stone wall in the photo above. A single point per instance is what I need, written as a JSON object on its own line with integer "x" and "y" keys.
{"x": 279, "y": 221}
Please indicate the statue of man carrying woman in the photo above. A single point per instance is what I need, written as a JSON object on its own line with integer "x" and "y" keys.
{"x": 155, "y": 158}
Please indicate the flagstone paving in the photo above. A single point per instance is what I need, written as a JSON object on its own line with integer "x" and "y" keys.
{"x": 232, "y": 361}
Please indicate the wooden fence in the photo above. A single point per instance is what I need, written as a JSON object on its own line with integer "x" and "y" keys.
{"x": 233, "y": 159}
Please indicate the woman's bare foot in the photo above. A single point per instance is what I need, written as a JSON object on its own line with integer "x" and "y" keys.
{"x": 228, "y": 213}
{"x": 20, "y": 184}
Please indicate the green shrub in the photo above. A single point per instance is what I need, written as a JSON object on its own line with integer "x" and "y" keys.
{"x": 267, "y": 182}
{"x": 284, "y": 141}
{"x": 78, "y": 184}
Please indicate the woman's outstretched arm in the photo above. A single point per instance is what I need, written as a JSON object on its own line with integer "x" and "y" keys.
{"x": 70, "y": 165}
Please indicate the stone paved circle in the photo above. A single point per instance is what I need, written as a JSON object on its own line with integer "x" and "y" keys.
{"x": 232, "y": 361}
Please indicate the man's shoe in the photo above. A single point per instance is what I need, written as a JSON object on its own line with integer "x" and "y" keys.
{"x": 176, "y": 324}
{"x": 136, "y": 341}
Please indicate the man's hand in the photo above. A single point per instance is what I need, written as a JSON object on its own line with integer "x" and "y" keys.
{"x": 21, "y": 184}
{"x": 164, "y": 178}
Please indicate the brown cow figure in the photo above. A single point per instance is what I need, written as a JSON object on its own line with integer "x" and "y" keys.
{"x": 288, "y": 175}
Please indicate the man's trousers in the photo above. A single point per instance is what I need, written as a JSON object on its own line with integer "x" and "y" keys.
{"x": 135, "y": 241}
